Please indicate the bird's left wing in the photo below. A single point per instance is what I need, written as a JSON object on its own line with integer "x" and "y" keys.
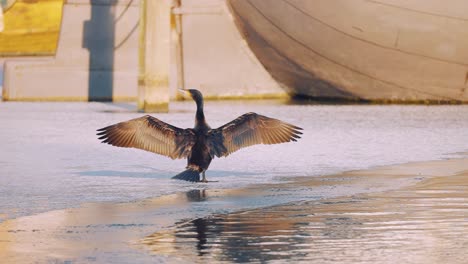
{"x": 150, "y": 134}
{"x": 247, "y": 130}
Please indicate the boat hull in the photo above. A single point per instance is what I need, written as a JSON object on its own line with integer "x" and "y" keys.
{"x": 387, "y": 50}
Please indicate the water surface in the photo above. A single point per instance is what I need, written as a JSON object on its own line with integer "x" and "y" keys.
{"x": 427, "y": 223}
{"x": 50, "y": 157}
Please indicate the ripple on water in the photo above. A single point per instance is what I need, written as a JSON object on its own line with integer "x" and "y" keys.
{"x": 417, "y": 225}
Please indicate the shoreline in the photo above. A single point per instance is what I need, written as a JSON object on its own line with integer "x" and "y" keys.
{"x": 105, "y": 231}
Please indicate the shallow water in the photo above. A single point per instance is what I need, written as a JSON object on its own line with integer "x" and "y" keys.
{"x": 424, "y": 224}
{"x": 50, "y": 157}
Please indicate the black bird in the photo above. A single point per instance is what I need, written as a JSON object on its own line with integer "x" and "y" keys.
{"x": 201, "y": 143}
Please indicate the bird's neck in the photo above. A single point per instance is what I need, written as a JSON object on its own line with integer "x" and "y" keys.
{"x": 200, "y": 116}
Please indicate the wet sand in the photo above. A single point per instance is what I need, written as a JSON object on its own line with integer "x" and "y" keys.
{"x": 410, "y": 213}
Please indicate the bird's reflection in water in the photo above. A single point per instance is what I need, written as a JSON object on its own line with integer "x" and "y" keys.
{"x": 290, "y": 232}
{"x": 198, "y": 229}
{"x": 238, "y": 237}
{"x": 196, "y": 195}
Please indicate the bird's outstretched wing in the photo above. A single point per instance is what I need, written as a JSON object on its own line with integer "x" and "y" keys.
{"x": 150, "y": 134}
{"x": 247, "y": 130}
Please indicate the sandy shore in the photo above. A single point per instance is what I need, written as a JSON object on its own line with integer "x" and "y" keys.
{"x": 412, "y": 213}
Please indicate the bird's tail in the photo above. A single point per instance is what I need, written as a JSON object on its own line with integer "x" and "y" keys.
{"x": 188, "y": 175}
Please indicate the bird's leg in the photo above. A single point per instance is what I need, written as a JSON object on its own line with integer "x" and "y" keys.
{"x": 204, "y": 177}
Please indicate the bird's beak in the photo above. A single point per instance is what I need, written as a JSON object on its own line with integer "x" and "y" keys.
{"x": 185, "y": 93}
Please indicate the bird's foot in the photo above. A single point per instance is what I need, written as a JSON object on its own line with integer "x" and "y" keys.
{"x": 207, "y": 181}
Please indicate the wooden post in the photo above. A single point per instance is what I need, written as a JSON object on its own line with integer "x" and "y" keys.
{"x": 154, "y": 53}
{"x": 177, "y": 45}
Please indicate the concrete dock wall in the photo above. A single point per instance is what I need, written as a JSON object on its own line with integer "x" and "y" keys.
{"x": 95, "y": 59}
{"x": 216, "y": 58}
{"x": 97, "y": 56}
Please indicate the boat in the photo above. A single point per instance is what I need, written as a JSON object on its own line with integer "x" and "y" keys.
{"x": 365, "y": 50}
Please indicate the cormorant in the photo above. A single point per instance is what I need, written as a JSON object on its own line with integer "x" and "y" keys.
{"x": 201, "y": 143}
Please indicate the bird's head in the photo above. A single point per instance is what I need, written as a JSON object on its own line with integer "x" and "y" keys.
{"x": 192, "y": 93}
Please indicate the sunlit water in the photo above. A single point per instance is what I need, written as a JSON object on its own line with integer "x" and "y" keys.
{"x": 50, "y": 157}
{"x": 425, "y": 224}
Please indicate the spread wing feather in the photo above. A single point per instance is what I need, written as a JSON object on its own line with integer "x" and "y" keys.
{"x": 247, "y": 130}
{"x": 150, "y": 134}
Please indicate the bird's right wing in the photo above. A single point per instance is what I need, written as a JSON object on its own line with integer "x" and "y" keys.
{"x": 150, "y": 134}
{"x": 247, "y": 130}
